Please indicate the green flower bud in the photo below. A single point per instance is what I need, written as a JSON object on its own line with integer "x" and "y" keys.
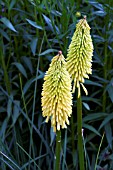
{"x": 79, "y": 57}
{"x": 78, "y": 14}
{"x": 56, "y": 93}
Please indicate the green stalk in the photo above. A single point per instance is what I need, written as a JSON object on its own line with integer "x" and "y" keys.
{"x": 78, "y": 4}
{"x": 6, "y": 78}
{"x": 34, "y": 103}
{"x": 99, "y": 151}
{"x": 64, "y": 151}
{"x": 105, "y": 77}
{"x": 72, "y": 139}
{"x": 24, "y": 102}
{"x": 31, "y": 148}
{"x": 79, "y": 130}
{"x": 33, "y": 114}
{"x": 25, "y": 107}
{"x": 58, "y": 149}
{"x": 106, "y": 56}
{"x": 52, "y": 22}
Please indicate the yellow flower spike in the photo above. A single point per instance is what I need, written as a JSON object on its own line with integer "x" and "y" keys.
{"x": 79, "y": 57}
{"x": 56, "y": 93}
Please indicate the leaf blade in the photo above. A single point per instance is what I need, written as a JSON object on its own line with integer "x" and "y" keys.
{"x": 7, "y": 23}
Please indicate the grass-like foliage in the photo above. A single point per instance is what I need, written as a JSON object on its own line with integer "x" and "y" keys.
{"x": 31, "y": 33}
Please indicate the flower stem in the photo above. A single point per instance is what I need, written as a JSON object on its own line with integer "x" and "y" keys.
{"x": 2, "y": 61}
{"x": 78, "y": 4}
{"x": 79, "y": 130}
{"x": 72, "y": 139}
{"x": 58, "y": 149}
{"x": 105, "y": 77}
{"x": 99, "y": 151}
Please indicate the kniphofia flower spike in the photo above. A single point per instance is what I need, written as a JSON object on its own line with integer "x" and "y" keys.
{"x": 79, "y": 57}
{"x": 56, "y": 93}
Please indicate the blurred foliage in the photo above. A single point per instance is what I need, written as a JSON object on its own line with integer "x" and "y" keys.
{"x": 31, "y": 33}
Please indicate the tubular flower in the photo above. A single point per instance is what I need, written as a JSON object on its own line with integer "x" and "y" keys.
{"x": 79, "y": 57}
{"x": 56, "y": 93}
